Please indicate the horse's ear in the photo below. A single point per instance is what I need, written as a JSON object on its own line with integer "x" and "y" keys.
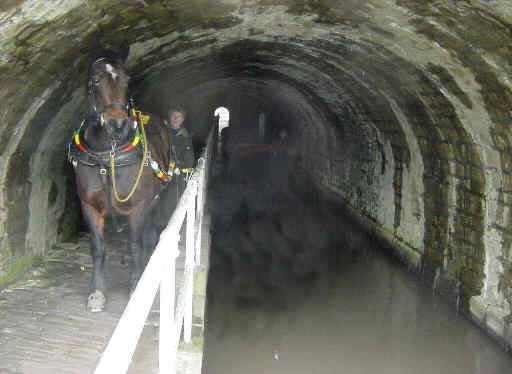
{"x": 97, "y": 49}
{"x": 124, "y": 50}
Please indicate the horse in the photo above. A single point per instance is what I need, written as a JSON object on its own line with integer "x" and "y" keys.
{"x": 120, "y": 157}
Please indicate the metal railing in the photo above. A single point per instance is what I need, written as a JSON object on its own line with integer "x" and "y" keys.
{"x": 175, "y": 309}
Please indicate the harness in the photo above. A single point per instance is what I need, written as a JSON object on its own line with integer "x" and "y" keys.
{"x": 127, "y": 154}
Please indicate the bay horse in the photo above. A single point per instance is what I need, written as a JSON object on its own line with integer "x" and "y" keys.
{"x": 118, "y": 155}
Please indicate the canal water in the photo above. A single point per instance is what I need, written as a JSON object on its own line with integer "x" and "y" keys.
{"x": 296, "y": 288}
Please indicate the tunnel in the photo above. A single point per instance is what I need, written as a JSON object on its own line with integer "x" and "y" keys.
{"x": 399, "y": 110}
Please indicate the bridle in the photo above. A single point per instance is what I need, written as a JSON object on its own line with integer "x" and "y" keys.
{"x": 91, "y": 91}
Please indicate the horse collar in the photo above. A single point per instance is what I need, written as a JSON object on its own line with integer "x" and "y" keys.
{"x": 127, "y": 154}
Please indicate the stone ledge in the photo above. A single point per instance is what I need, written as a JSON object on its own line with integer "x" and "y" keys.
{"x": 492, "y": 319}
{"x": 410, "y": 256}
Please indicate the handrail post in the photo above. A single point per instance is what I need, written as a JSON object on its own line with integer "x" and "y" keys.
{"x": 189, "y": 265}
{"x": 201, "y": 189}
{"x": 167, "y": 333}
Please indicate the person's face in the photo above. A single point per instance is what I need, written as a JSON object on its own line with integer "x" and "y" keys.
{"x": 177, "y": 119}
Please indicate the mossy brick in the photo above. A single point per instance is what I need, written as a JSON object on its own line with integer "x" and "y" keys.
{"x": 473, "y": 262}
{"x": 505, "y": 198}
{"x": 424, "y": 143}
{"x": 449, "y": 83}
{"x": 398, "y": 151}
{"x": 459, "y": 233}
{"x": 446, "y": 149}
{"x": 439, "y": 204}
{"x": 397, "y": 180}
{"x": 441, "y": 166}
{"x": 465, "y": 250}
{"x": 477, "y": 222}
{"x": 477, "y": 178}
{"x": 507, "y": 182}
{"x": 428, "y": 203}
{"x": 506, "y": 162}
{"x": 506, "y": 242}
{"x": 474, "y": 236}
{"x": 451, "y": 135}
{"x": 428, "y": 170}
{"x": 442, "y": 122}
{"x": 435, "y": 254}
{"x": 429, "y": 236}
{"x": 464, "y": 220}
{"x": 477, "y": 206}
{"x": 453, "y": 268}
{"x": 461, "y": 152}
{"x": 466, "y": 183}
{"x": 442, "y": 234}
{"x": 461, "y": 170}
{"x": 467, "y": 195}
{"x": 495, "y": 93}
{"x": 478, "y": 260}
{"x": 502, "y": 228}
{"x": 500, "y": 139}
{"x": 479, "y": 256}
{"x": 463, "y": 203}
{"x": 14, "y": 265}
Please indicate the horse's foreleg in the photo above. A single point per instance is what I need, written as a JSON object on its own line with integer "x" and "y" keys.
{"x": 135, "y": 249}
{"x": 150, "y": 238}
{"x": 95, "y": 220}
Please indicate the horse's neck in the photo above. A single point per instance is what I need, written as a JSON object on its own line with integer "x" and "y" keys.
{"x": 96, "y": 137}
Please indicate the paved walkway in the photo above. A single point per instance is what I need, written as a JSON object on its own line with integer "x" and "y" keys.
{"x": 44, "y": 327}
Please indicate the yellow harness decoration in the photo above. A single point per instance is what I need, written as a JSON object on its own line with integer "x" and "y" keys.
{"x": 144, "y": 119}
{"x": 174, "y": 170}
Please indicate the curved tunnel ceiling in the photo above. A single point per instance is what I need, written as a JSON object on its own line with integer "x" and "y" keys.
{"x": 401, "y": 107}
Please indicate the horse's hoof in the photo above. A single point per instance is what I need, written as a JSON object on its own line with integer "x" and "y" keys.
{"x": 96, "y": 302}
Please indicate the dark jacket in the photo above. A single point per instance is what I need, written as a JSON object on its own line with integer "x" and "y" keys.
{"x": 182, "y": 151}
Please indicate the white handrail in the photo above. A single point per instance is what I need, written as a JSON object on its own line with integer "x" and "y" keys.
{"x": 160, "y": 273}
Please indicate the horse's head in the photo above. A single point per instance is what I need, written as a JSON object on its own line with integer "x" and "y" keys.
{"x": 107, "y": 86}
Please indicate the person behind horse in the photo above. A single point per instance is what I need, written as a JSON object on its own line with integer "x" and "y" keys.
{"x": 181, "y": 165}
{"x": 182, "y": 152}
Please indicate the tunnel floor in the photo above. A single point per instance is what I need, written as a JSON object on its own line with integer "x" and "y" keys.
{"x": 296, "y": 287}
{"x": 44, "y": 327}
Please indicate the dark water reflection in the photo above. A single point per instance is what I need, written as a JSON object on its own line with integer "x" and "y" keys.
{"x": 296, "y": 288}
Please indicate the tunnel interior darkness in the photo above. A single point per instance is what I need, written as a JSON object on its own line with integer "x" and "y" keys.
{"x": 399, "y": 110}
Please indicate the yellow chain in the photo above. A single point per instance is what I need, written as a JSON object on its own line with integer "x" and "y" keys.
{"x": 141, "y": 168}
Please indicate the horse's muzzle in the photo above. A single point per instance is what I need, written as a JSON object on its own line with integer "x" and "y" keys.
{"x": 118, "y": 129}
{"x": 118, "y": 124}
